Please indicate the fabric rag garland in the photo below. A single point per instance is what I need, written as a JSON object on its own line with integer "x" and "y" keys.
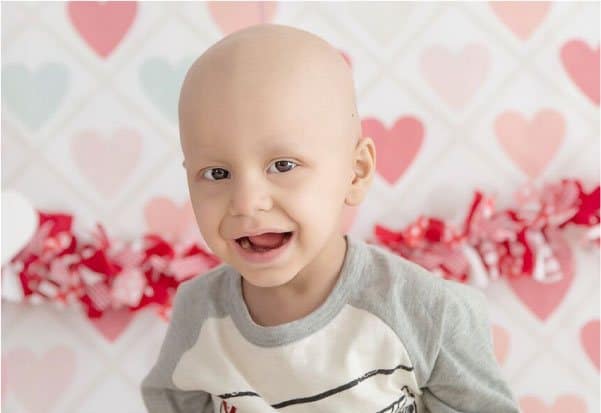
{"x": 98, "y": 273}
{"x": 101, "y": 274}
{"x": 491, "y": 244}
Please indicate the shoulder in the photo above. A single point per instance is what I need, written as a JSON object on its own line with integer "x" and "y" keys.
{"x": 422, "y": 308}
{"x": 415, "y": 292}
{"x": 413, "y": 281}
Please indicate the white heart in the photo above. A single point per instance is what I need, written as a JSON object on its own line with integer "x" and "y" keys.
{"x": 19, "y": 223}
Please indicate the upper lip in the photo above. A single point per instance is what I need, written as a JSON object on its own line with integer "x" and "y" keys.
{"x": 258, "y": 232}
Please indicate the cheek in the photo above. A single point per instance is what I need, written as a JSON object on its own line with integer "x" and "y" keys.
{"x": 207, "y": 214}
{"x": 331, "y": 185}
{"x": 317, "y": 198}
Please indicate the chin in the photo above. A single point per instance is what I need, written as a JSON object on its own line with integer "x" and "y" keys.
{"x": 262, "y": 280}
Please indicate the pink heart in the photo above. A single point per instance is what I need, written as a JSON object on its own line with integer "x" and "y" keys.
{"x": 582, "y": 64}
{"x": 106, "y": 162}
{"x": 39, "y": 381}
{"x": 112, "y": 323}
{"x": 455, "y": 76}
{"x": 171, "y": 222}
{"x": 567, "y": 403}
{"x": 543, "y": 298}
{"x": 521, "y": 17}
{"x": 530, "y": 144}
{"x": 500, "y": 338}
{"x": 589, "y": 338}
{"x": 102, "y": 24}
{"x": 231, "y": 16}
{"x": 396, "y": 147}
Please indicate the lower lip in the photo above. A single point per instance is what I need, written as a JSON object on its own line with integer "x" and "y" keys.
{"x": 262, "y": 257}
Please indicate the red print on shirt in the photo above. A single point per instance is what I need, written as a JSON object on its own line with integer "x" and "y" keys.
{"x": 227, "y": 409}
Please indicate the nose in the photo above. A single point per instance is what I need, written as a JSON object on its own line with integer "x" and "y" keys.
{"x": 249, "y": 195}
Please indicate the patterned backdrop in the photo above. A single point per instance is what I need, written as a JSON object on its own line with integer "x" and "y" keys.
{"x": 457, "y": 96}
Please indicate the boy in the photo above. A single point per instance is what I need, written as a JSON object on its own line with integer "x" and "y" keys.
{"x": 298, "y": 317}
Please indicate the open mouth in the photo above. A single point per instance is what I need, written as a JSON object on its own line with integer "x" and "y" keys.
{"x": 247, "y": 244}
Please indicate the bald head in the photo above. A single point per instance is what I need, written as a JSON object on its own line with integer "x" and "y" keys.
{"x": 276, "y": 75}
{"x": 271, "y": 139}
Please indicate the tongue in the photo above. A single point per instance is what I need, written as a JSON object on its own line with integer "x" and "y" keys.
{"x": 267, "y": 240}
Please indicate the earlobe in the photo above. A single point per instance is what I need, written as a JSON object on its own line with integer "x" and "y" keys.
{"x": 351, "y": 199}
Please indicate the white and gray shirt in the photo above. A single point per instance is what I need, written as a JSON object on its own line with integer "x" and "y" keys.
{"x": 391, "y": 337}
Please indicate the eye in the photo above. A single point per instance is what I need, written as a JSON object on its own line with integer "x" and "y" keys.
{"x": 283, "y": 165}
{"x": 215, "y": 176}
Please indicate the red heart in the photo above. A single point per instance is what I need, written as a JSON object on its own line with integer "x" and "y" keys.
{"x": 582, "y": 64}
{"x": 589, "y": 338}
{"x": 397, "y": 147}
{"x": 542, "y": 299}
{"x": 113, "y": 322}
{"x": 102, "y": 24}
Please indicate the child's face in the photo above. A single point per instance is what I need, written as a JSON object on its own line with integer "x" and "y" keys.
{"x": 268, "y": 145}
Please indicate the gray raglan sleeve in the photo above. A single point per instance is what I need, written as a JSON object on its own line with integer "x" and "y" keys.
{"x": 159, "y": 393}
{"x": 465, "y": 376}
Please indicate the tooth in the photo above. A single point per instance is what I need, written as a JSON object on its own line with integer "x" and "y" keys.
{"x": 245, "y": 243}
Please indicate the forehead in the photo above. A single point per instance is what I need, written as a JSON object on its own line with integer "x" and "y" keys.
{"x": 263, "y": 108}
{"x": 267, "y": 143}
{"x": 255, "y": 124}
{"x": 234, "y": 149}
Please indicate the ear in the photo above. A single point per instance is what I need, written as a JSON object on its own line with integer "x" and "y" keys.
{"x": 364, "y": 168}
